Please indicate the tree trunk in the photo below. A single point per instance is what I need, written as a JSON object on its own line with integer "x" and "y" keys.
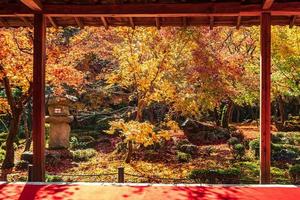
{"x": 27, "y": 133}
{"x": 226, "y": 114}
{"x": 238, "y": 114}
{"x": 230, "y": 114}
{"x": 129, "y": 153}
{"x": 139, "y": 117}
{"x": 281, "y": 109}
{"x": 9, "y": 159}
{"x": 216, "y": 116}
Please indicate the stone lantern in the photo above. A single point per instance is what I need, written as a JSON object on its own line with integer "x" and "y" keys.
{"x": 59, "y": 119}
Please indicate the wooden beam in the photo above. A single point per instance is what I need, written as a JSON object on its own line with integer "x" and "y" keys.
{"x": 52, "y": 22}
{"x": 38, "y": 108}
{"x": 292, "y": 21}
{"x": 265, "y": 98}
{"x": 131, "y": 23}
{"x": 104, "y": 22}
{"x": 157, "y": 22}
{"x": 267, "y": 4}
{"x": 211, "y": 23}
{"x": 35, "y": 5}
{"x": 79, "y": 22}
{"x": 155, "y": 10}
{"x": 238, "y": 23}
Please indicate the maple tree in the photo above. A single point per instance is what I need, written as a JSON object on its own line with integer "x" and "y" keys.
{"x": 16, "y": 75}
{"x": 285, "y": 66}
{"x": 150, "y": 67}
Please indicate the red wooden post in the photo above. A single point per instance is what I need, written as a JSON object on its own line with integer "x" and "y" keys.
{"x": 265, "y": 102}
{"x": 38, "y": 112}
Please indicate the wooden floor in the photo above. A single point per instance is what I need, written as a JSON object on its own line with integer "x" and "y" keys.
{"x": 91, "y": 191}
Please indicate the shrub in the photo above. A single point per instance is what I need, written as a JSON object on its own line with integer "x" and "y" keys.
{"x": 189, "y": 149}
{"x": 183, "y": 157}
{"x": 3, "y": 135}
{"x": 294, "y": 173}
{"x": 280, "y": 152}
{"x": 53, "y": 178}
{"x": 182, "y": 142}
{"x": 53, "y": 159}
{"x": 83, "y": 155}
{"x": 2, "y": 154}
{"x": 284, "y": 155}
{"x": 232, "y": 142}
{"x": 238, "y": 151}
{"x": 215, "y": 176}
{"x": 277, "y": 138}
{"x": 209, "y": 150}
{"x": 22, "y": 164}
{"x": 82, "y": 143}
{"x": 121, "y": 147}
{"x": 238, "y": 134}
{"x": 255, "y": 146}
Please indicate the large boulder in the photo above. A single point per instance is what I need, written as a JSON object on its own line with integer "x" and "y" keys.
{"x": 204, "y": 133}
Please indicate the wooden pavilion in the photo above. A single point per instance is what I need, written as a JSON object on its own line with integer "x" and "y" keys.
{"x": 40, "y": 14}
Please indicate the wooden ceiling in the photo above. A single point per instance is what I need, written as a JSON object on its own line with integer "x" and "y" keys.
{"x": 17, "y": 13}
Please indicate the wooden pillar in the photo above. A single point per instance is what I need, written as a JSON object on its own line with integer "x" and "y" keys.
{"x": 265, "y": 102}
{"x": 38, "y": 111}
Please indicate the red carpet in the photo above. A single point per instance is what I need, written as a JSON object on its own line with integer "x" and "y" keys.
{"x": 136, "y": 192}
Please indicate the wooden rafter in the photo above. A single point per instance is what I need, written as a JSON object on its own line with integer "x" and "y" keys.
{"x": 79, "y": 22}
{"x": 157, "y": 22}
{"x": 131, "y": 22}
{"x": 52, "y": 22}
{"x": 268, "y": 4}
{"x": 184, "y": 21}
{"x": 26, "y": 21}
{"x": 292, "y": 21}
{"x": 35, "y": 5}
{"x": 211, "y": 23}
{"x": 3, "y": 23}
{"x": 238, "y": 22}
{"x": 104, "y": 22}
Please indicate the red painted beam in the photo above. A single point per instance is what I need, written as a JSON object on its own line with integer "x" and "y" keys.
{"x": 38, "y": 112}
{"x": 265, "y": 102}
{"x": 268, "y": 4}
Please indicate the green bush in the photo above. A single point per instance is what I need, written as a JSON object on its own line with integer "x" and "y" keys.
{"x": 83, "y": 155}
{"x": 284, "y": 153}
{"x": 183, "y": 157}
{"x": 238, "y": 134}
{"x": 255, "y": 146}
{"x": 189, "y": 149}
{"x": 215, "y": 176}
{"x": 121, "y": 147}
{"x": 53, "y": 178}
{"x": 277, "y": 138}
{"x": 182, "y": 142}
{"x": 3, "y": 135}
{"x": 294, "y": 173}
{"x": 279, "y": 152}
{"x": 2, "y": 154}
{"x": 209, "y": 150}
{"x": 22, "y": 165}
{"x": 82, "y": 143}
{"x": 53, "y": 159}
{"x": 239, "y": 151}
{"x": 232, "y": 142}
